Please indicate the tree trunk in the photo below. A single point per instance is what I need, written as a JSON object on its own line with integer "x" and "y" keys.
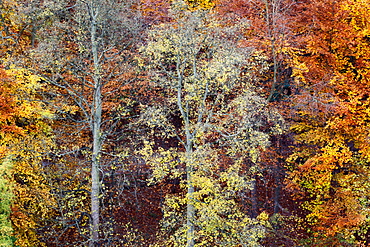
{"x": 271, "y": 25}
{"x": 95, "y": 183}
{"x": 190, "y": 210}
{"x": 254, "y": 197}
{"x": 277, "y": 189}
{"x": 275, "y": 65}
{"x": 96, "y": 133}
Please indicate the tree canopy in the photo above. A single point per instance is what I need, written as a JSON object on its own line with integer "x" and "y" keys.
{"x": 184, "y": 123}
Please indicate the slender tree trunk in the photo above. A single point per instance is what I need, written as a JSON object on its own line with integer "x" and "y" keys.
{"x": 277, "y": 174}
{"x": 254, "y": 197}
{"x": 95, "y": 181}
{"x": 190, "y": 210}
{"x": 271, "y": 25}
{"x": 277, "y": 190}
{"x": 275, "y": 64}
{"x": 96, "y": 133}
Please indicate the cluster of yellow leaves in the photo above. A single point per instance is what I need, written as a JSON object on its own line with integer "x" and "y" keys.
{"x": 219, "y": 219}
{"x": 24, "y": 138}
{"x": 6, "y": 195}
{"x": 200, "y": 4}
{"x": 222, "y": 122}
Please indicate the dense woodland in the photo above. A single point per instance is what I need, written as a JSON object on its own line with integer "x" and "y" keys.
{"x": 184, "y": 123}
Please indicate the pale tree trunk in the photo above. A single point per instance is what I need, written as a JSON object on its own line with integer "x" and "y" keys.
{"x": 190, "y": 210}
{"x": 95, "y": 181}
{"x": 96, "y": 27}
{"x": 96, "y": 132}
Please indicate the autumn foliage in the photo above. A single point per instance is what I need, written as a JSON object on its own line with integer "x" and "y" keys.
{"x": 184, "y": 123}
{"x": 332, "y": 119}
{"x": 25, "y": 137}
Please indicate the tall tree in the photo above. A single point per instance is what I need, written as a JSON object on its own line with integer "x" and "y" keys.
{"x": 213, "y": 120}
{"x": 25, "y": 137}
{"x": 330, "y": 163}
{"x": 85, "y": 54}
{"x": 25, "y": 141}
{"x": 269, "y": 31}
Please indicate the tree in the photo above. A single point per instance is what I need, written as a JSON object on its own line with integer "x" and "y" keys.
{"x": 26, "y": 200}
{"x": 88, "y": 61}
{"x": 329, "y": 166}
{"x": 269, "y": 31}
{"x": 6, "y": 229}
{"x": 25, "y": 140}
{"x": 212, "y": 120}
